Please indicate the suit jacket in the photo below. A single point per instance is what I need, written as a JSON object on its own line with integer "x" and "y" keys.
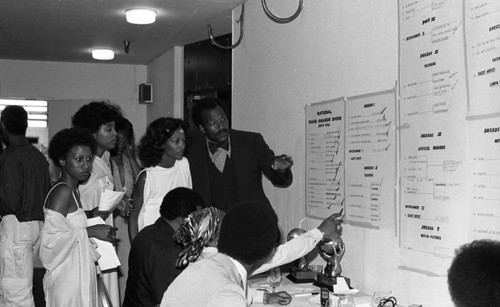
{"x": 213, "y": 282}
{"x": 251, "y": 158}
{"x": 151, "y": 265}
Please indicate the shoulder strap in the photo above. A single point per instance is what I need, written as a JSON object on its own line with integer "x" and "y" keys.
{"x": 59, "y": 183}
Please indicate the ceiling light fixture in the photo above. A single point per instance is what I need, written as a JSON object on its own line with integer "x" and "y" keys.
{"x": 140, "y": 16}
{"x": 103, "y": 54}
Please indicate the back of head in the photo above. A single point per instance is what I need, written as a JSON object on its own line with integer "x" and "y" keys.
{"x": 474, "y": 275}
{"x": 95, "y": 114}
{"x": 204, "y": 104}
{"x": 15, "y": 120}
{"x": 249, "y": 232}
{"x": 180, "y": 202}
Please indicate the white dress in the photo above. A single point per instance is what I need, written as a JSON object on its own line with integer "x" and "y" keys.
{"x": 159, "y": 181}
{"x": 69, "y": 257}
{"x": 90, "y": 193}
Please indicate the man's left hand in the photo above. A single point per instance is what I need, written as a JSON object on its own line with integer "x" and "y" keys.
{"x": 282, "y": 163}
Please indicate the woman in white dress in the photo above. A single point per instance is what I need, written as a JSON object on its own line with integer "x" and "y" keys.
{"x": 65, "y": 249}
{"x": 161, "y": 151}
{"x": 99, "y": 118}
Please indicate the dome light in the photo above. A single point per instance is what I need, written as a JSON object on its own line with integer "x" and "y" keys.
{"x": 140, "y": 16}
{"x": 103, "y": 54}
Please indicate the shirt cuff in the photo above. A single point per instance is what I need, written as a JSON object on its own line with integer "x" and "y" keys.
{"x": 316, "y": 234}
{"x": 258, "y": 295}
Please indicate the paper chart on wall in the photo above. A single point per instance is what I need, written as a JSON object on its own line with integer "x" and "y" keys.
{"x": 432, "y": 141}
{"x": 432, "y": 59}
{"x": 482, "y": 32}
{"x": 370, "y": 160}
{"x": 484, "y": 187}
{"x": 325, "y": 130}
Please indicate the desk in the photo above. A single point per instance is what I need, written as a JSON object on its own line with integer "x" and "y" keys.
{"x": 295, "y": 290}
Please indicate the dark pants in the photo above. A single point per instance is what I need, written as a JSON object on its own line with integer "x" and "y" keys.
{"x": 38, "y": 295}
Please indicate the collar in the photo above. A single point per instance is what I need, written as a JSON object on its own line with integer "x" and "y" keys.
{"x": 227, "y": 151}
{"x": 208, "y": 251}
{"x": 241, "y": 270}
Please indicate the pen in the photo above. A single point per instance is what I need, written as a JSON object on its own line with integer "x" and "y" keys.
{"x": 306, "y": 294}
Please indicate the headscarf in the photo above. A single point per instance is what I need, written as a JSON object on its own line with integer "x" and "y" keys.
{"x": 195, "y": 232}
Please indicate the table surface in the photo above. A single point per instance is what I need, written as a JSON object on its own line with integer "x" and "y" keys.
{"x": 301, "y": 293}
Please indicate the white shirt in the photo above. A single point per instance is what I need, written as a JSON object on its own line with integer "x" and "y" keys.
{"x": 285, "y": 253}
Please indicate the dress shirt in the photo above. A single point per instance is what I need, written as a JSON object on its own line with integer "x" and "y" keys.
{"x": 219, "y": 153}
{"x": 285, "y": 253}
{"x": 212, "y": 282}
{"x": 24, "y": 182}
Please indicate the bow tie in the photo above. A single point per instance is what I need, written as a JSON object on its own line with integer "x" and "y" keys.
{"x": 212, "y": 146}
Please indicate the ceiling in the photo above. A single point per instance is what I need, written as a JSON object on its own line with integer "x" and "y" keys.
{"x": 67, "y": 30}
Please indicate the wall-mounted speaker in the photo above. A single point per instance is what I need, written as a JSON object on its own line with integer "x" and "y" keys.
{"x": 145, "y": 93}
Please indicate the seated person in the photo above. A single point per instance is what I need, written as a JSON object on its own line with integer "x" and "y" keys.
{"x": 199, "y": 233}
{"x": 154, "y": 251}
{"x": 249, "y": 235}
{"x": 474, "y": 275}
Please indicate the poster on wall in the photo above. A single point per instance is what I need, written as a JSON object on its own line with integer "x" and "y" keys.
{"x": 432, "y": 58}
{"x": 370, "y": 160}
{"x": 482, "y": 34}
{"x": 325, "y": 131}
{"x": 484, "y": 183}
{"x": 433, "y": 107}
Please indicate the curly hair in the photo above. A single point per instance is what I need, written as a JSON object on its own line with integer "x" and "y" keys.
{"x": 157, "y": 134}
{"x": 249, "y": 232}
{"x": 95, "y": 114}
{"x": 66, "y": 139}
{"x": 15, "y": 119}
{"x": 204, "y": 104}
{"x": 474, "y": 275}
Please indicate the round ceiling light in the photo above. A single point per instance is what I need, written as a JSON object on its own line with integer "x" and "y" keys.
{"x": 103, "y": 54}
{"x": 140, "y": 16}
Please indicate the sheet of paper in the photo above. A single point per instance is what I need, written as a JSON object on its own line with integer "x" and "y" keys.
{"x": 325, "y": 133}
{"x": 432, "y": 109}
{"x": 370, "y": 160}
{"x": 109, "y": 258}
{"x": 110, "y": 199}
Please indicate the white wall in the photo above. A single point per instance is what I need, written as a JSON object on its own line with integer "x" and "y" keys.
{"x": 334, "y": 49}
{"x": 166, "y": 73}
{"x": 77, "y": 81}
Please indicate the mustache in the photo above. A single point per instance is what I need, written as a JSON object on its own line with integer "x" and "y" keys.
{"x": 223, "y": 130}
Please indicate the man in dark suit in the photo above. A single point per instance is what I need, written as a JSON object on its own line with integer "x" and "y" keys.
{"x": 227, "y": 165}
{"x": 154, "y": 250}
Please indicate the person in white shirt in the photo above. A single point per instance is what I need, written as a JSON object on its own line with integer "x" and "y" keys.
{"x": 200, "y": 233}
{"x": 161, "y": 151}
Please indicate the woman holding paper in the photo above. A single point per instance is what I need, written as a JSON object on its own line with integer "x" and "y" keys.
{"x": 65, "y": 248}
{"x": 99, "y": 118}
{"x": 162, "y": 153}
